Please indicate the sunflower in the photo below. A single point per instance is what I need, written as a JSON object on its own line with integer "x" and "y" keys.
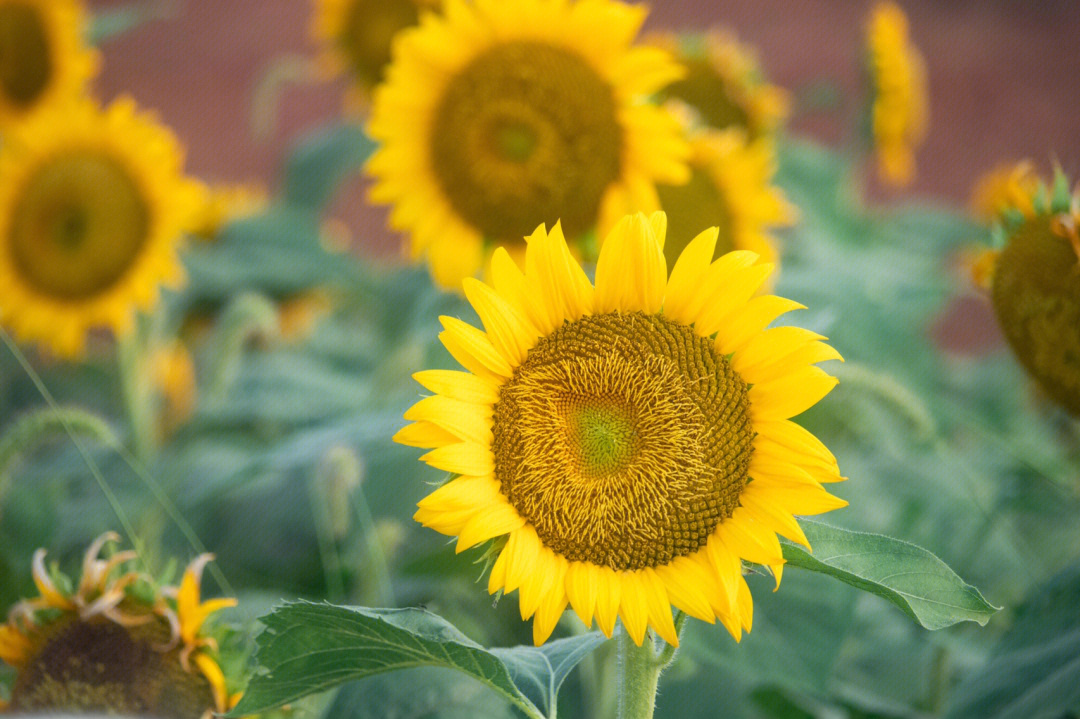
{"x": 116, "y": 643}
{"x": 724, "y": 82}
{"x": 730, "y": 187}
{"x": 1035, "y": 285}
{"x": 357, "y": 37}
{"x": 899, "y": 113}
{"x": 92, "y": 205}
{"x": 500, "y": 116}
{"x": 223, "y": 203}
{"x": 42, "y": 56}
{"x": 627, "y": 445}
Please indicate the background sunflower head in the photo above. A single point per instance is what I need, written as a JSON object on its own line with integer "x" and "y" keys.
{"x": 114, "y": 641}
{"x": 43, "y": 56}
{"x": 498, "y": 116}
{"x": 899, "y": 113}
{"x": 1034, "y": 281}
{"x": 724, "y": 82}
{"x": 93, "y": 204}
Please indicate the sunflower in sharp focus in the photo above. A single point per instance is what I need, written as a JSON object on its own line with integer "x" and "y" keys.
{"x": 501, "y": 116}
{"x": 92, "y": 206}
{"x": 357, "y": 36}
{"x": 115, "y": 643}
{"x": 899, "y": 113}
{"x": 730, "y": 187}
{"x": 627, "y": 445}
{"x": 1035, "y": 283}
{"x": 724, "y": 82}
{"x": 42, "y": 56}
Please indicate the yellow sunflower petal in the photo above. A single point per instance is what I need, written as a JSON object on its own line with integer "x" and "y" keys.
{"x": 494, "y": 520}
{"x": 659, "y": 606}
{"x": 473, "y": 349}
{"x": 791, "y": 395}
{"x": 466, "y": 421}
{"x": 424, "y": 435}
{"x": 607, "y": 600}
{"x": 464, "y": 386}
{"x": 215, "y": 677}
{"x": 552, "y": 603}
{"x": 631, "y": 271}
{"x": 462, "y": 458}
{"x": 510, "y": 332}
{"x": 582, "y": 589}
{"x": 687, "y": 274}
{"x": 686, "y": 581}
{"x": 633, "y": 606}
{"x": 751, "y": 319}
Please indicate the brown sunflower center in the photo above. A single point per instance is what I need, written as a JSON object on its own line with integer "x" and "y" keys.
{"x": 1036, "y": 295}
{"x": 25, "y": 62}
{"x": 692, "y": 207}
{"x": 78, "y": 226}
{"x": 624, "y": 439}
{"x": 368, "y": 33}
{"x": 526, "y": 134}
{"x": 99, "y": 666}
{"x": 707, "y": 92}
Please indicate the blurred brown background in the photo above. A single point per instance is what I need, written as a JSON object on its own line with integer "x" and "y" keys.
{"x": 1003, "y": 80}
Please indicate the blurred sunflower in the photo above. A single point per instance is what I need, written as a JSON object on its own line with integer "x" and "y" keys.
{"x": 222, "y": 203}
{"x": 357, "y": 36}
{"x": 42, "y": 56}
{"x": 730, "y": 187}
{"x": 724, "y": 82}
{"x": 92, "y": 206}
{"x": 500, "y": 116}
{"x": 1035, "y": 283}
{"x": 115, "y": 643}
{"x": 627, "y": 445}
{"x": 899, "y": 114}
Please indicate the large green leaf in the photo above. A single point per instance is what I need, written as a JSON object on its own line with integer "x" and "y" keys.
{"x": 308, "y": 648}
{"x": 1034, "y": 673}
{"x": 322, "y": 160}
{"x": 910, "y": 577}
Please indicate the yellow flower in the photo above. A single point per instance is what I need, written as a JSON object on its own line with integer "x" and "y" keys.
{"x": 500, "y": 116}
{"x": 357, "y": 36}
{"x": 900, "y": 113}
{"x": 1007, "y": 185}
{"x": 730, "y": 187}
{"x": 627, "y": 444}
{"x": 43, "y": 58}
{"x": 223, "y": 203}
{"x": 105, "y": 647}
{"x": 173, "y": 372}
{"x": 1035, "y": 287}
{"x": 724, "y": 82}
{"x": 92, "y": 205}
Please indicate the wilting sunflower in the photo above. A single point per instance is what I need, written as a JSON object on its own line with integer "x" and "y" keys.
{"x": 357, "y": 36}
{"x": 43, "y": 58}
{"x": 92, "y": 206}
{"x": 503, "y": 115}
{"x": 730, "y": 187}
{"x": 116, "y": 643}
{"x": 724, "y": 82}
{"x": 899, "y": 113}
{"x": 626, "y": 445}
{"x": 1035, "y": 285}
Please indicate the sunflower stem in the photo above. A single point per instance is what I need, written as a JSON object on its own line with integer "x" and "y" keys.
{"x": 136, "y": 391}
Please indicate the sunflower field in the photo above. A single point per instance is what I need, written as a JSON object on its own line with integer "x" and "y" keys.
{"x": 433, "y": 359}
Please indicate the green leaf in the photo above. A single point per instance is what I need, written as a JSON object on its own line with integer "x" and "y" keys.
{"x": 308, "y": 648}
{"x": 910, "y": 577}
{"x": 1034, "y": 673}
{"x": 322, "y": 160}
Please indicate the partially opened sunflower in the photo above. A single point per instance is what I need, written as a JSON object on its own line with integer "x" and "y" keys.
{"x": 628, "y": 444}
{"x": 497, "y": 116}
{"x": 115, "y": 643}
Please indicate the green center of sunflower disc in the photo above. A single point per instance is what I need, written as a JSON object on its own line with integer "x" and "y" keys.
{"x": 526, "y": 134}
{"x": 1036, "y": 295}
{"x": 78, "y": 225}
{"x": 99, "y": 666}
{"x": 623, "y": 439}
{"x": 25, "y": 62}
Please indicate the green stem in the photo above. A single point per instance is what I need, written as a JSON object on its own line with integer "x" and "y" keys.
{"x": 380, "y": 588}
{"x": 136, "y": 391}
{"x": 639, "y": 669}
